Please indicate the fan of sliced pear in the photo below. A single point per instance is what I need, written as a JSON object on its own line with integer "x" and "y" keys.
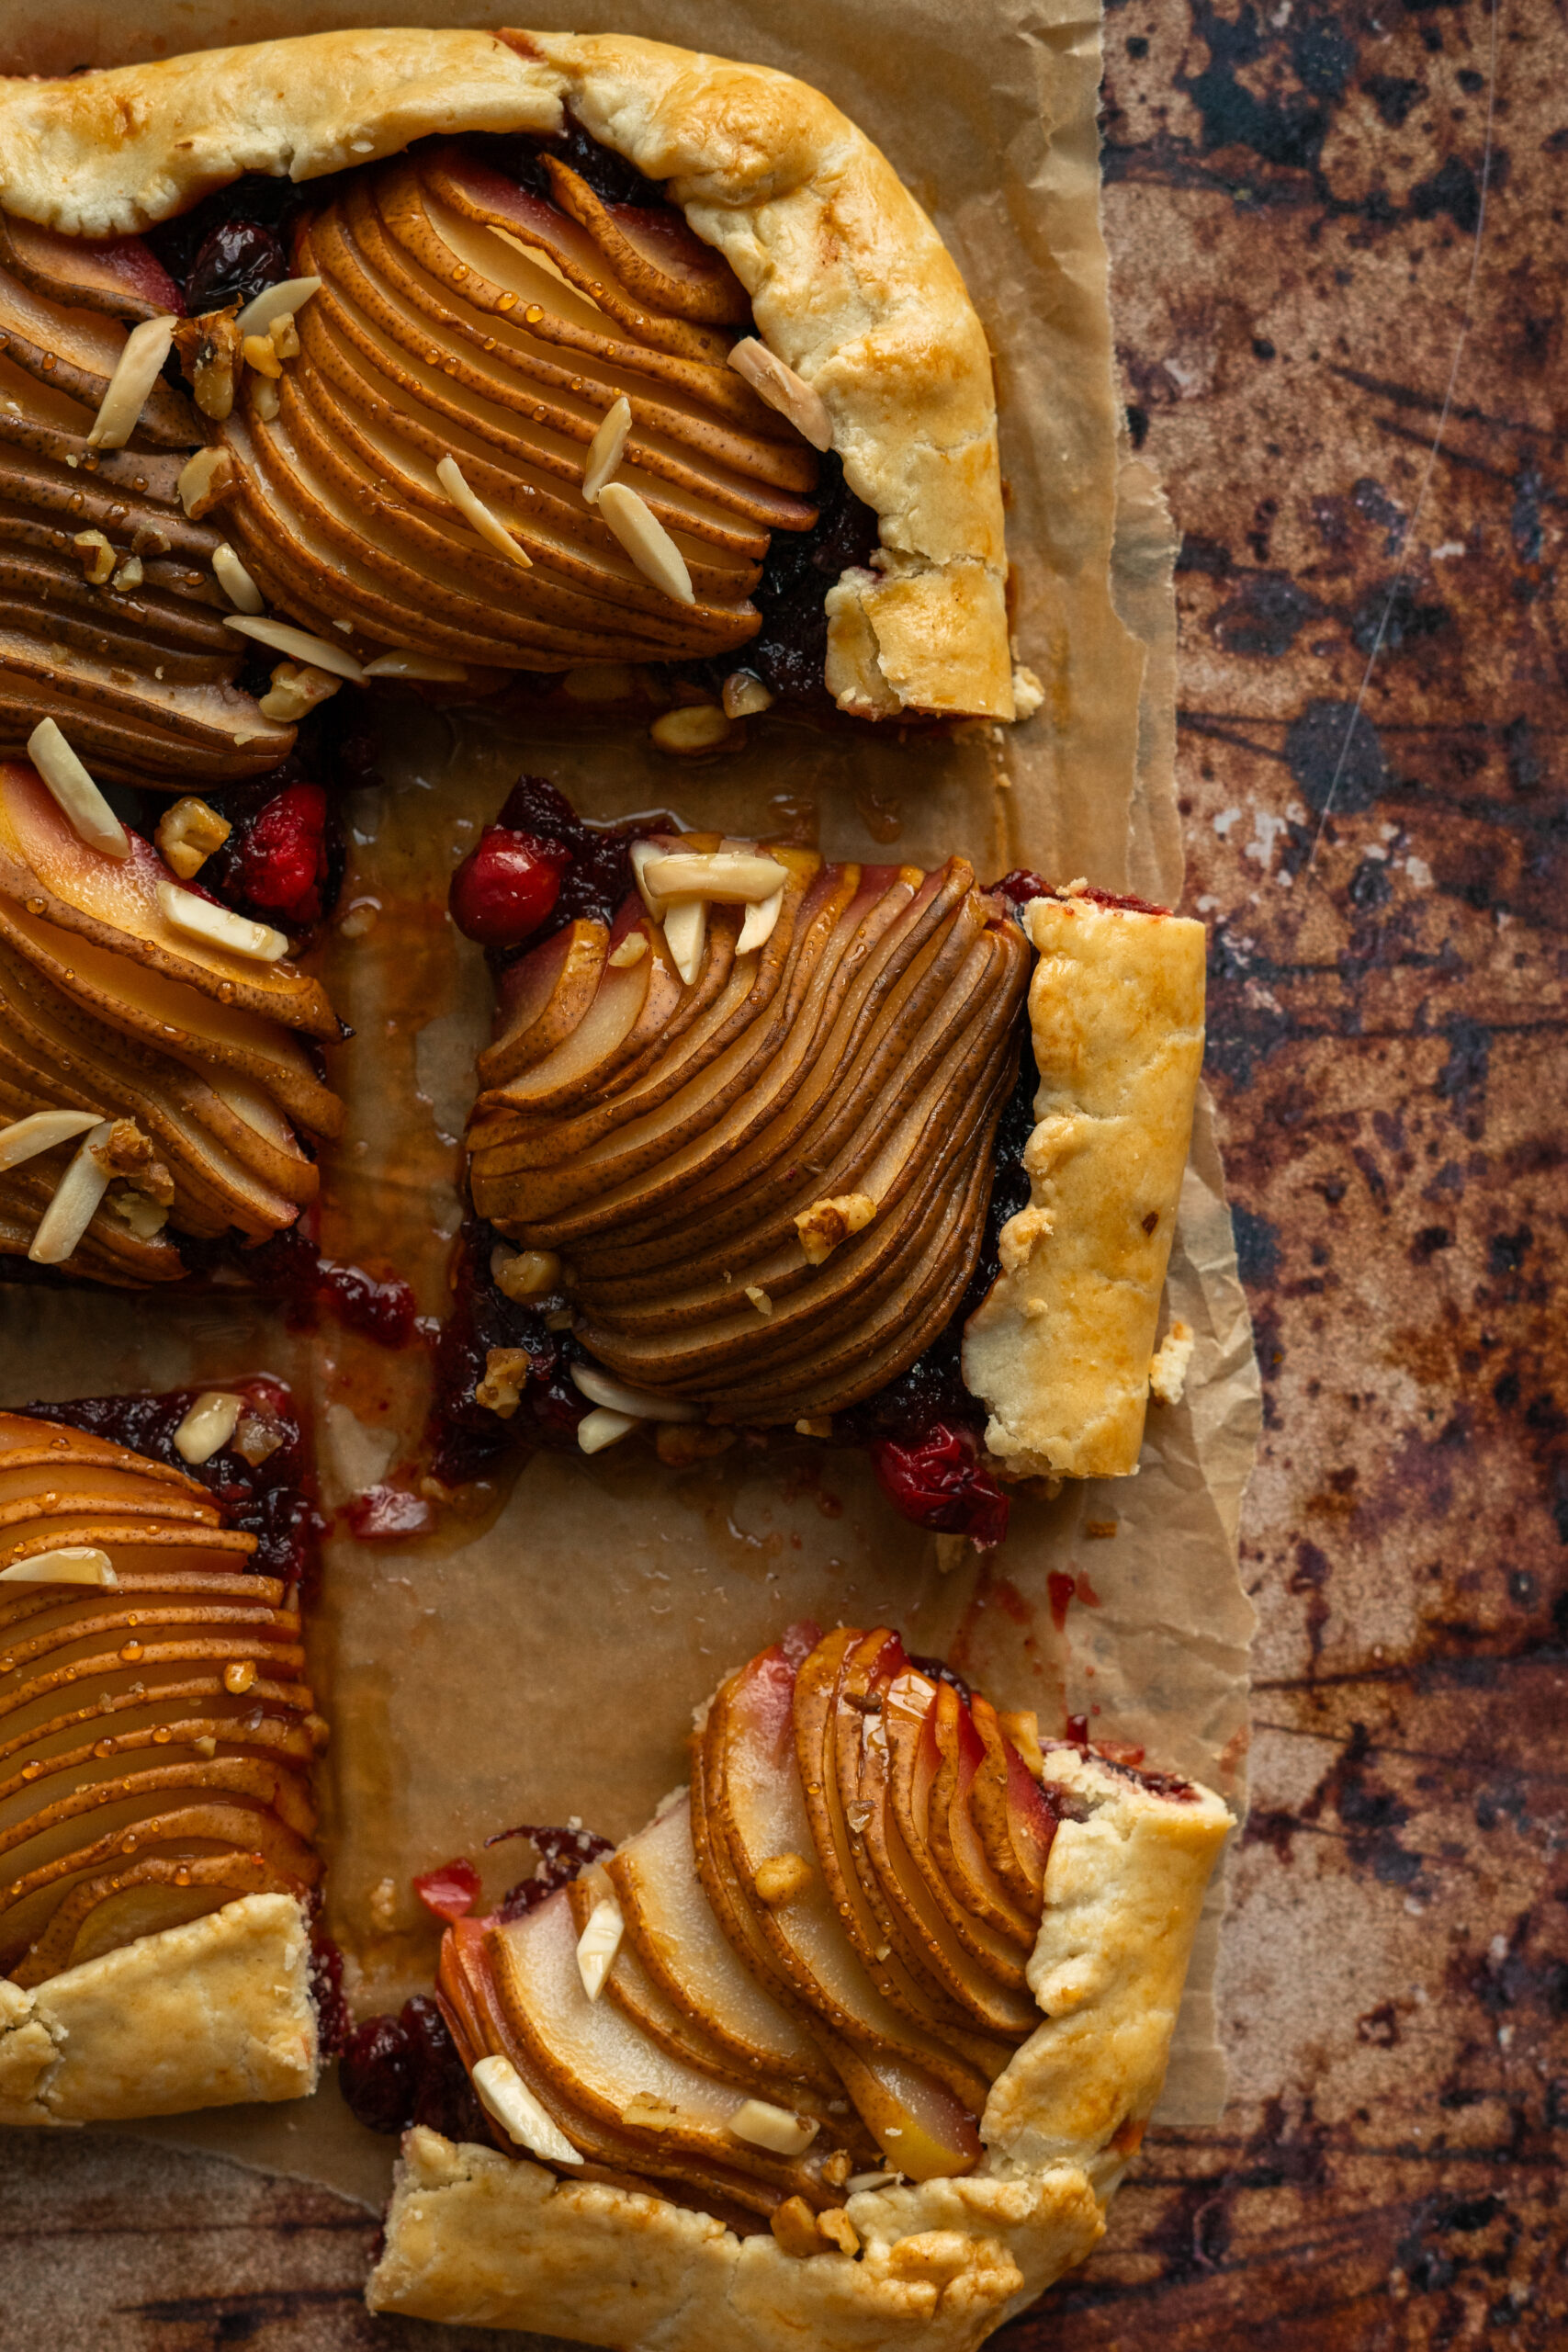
{"x": 110, "y": 1010}
{"x": 834, "y": 1918}
{"x": 156, "y": 1732}
{"x": 662, "y": 1137}
{"x": 460, "y": 316}
{"x": 138, "y": 671}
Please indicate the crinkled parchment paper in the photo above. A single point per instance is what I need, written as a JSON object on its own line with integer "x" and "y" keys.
{"x": 544, "y": 1663}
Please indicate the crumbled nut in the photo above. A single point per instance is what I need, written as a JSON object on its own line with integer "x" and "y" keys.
{"x": 209, "y": 353}
{"x": 1023, "y": 1729}
{"x": 97, "y": 557}
{"x": 837, "y": 2168}
{"x": 681, "y": 1443}
{"x": 647, "y": 2113}
{"x": 188, "y": 833}
{"x": 257, "y": 1437}
{"x": 382, "y": 1904}
{"x": 129, "y": 574}
{"x": 822, "y": 1226}
{"x": 745, "y": 694}
{"x": 814, "y": 1425}
{"x": 523, "y": 1275}
{"x": 205, "y": 1744}
{"x": 284, "y": 335}
{"x": 127, "y": 1152}
{"x": 782, "y": 1877}
{"x": 794, "y": 2226}
{"x": 836, "y": 2226}
{"x": 691, "y": 727}
{"x": 145, "y": 541}
{"x": 267, "y": 401}
{"x": 145, "y": 1219}
{"x": 205, "y": 481}
{"x": 506, "y": 1375}
{"x": 260, "y": 352}
{"x": 759, "y": 1300}
{"x": 297, "y": 687}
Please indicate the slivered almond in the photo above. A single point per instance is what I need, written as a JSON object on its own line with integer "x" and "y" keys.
{"x": 759, "y": 1300}
{"x": 601, "y": 1428}
{"x": 235, "y": 581}
{"x": 647, "y": 541}
{"x": 762, "y": 922}
{"x": 507, "y": 2097}
{"x": 685, "y": 932}
{"x": 639, "y": 1404}
{"x": 209, "y": 1424}
{"x": 300, "y": 644}
{"x": 597, "y": 1947}
{"x": 75, "y": 1202}
{"x": 220, "y": 926}
{"x": 762, "y": 2125}
{"x": 604, "y": 449}
{"x": 472, "y": 508}
{"x": 860, "y": 2181}
{"x": 68, "y": 1564}
{"x": 778, "y": 384}
{"x": 138, "y": 368}
{"x": 74, "y": 793}
{"x": 275, "y": 302}
{"x": 736, "y": 878}
{"x": 40, "y": 1131}
{"x": 206, "y": 481}
{"x": 402, "y": 662}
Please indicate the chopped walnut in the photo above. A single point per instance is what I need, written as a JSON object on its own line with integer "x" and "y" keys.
{"x": 522, "y": 1274}
{"x": 679, "y": 1443}
{"x": 145, "y": 1219}
{"x": 782, "y": 1877}
{"x": 285, "y": 335}
{"x": 98, "y": 556}
{"x": 822, "y": 1226}
{"x": 129, "y": 574}
{"x": 261, "y": 352}
{"x": 506, "y": 1377}
{"x": 257, "y": 1437}
{"x": 837, "y": 2228}
{"x": 794, "y": 2226}
{"x": 188, "y": 833}
{"x": 297, "y": 687}
{"x": 837, "y": 2168}
{"x": 205, "y": 481}
{"x": 209, "y": 353}
{"x": 127, "y": 1152}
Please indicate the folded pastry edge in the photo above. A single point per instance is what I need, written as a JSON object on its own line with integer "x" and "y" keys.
{"x": 216, "y": 2012}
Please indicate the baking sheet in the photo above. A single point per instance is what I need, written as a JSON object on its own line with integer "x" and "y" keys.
{"x": 544, "y": 1665}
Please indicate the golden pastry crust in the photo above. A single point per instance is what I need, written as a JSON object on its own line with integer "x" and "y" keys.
{"x": 849, "y": 283}
{"x": 1060, "y": 1350}
{"x": 481, "y": 2239}
{"x": 215, "y": 2013}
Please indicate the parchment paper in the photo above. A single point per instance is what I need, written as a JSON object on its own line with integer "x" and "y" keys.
{"x": 540, "y": 1659}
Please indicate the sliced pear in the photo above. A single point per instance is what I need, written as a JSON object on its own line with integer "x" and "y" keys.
{"x": 77, "y": 352}
{"x": 141, "y": 1899}
{"x": 653, "y": 252}
{"x": 1015, "y": 1823}
{"x": 117, "y": 274}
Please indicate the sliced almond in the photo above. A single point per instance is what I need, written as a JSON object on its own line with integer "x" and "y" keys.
{"x": 859, "y": 2181}
{"x": 735, "y": 878}
{"x": 208, "y": 1426}
{"x": 647, "y": 541}
{"x": 300, "y": 644}
{"x": 761, "y": 923}
{"x": 74, "y": 793}
{"x": 75, "y": 1202}
{"x": 762, "y": 2125}
{"x": 778, "y": 384}
{"x": 137, "y": 370}
{"x": 275, "y": 302}
{"x": 401, "y": 663}
{"x": 40, "y": 1131}
{"x": 604, "y": 449}
{"x": 632, "y": 950}
{"x": 685, "y": 931}
{"x": 638, "y": 1404}
{"x": 70, "y": 1564}
{"x": 472, "y": 508}
{"x": 507, "y": 2097}
{"x": 206, "y": 481}
{"x": 597, "y": 1947}
{"x": 220, "y": 926}
{"x": 601, "y": 1428}
{"x": 235, "y": 581}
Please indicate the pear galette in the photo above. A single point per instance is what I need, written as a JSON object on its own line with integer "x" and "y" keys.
{"x": 770, "y": 1142}
{"x": 155, "y": 1057}
{"x": 156, "y": 1743}
{"x": 634, "y": 357}
{"x": 853, "y": 2043}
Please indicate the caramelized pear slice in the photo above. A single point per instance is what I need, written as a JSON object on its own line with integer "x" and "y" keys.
{"x": 141, "y": 1899}
{"x": 913, "y": 1762}
{"x": 960, "y": 1856}
{"x": 1015, "y": 1823}
{"x": 118, "y": 275}
{"x": 685, "y": 1953}
{"x": 654, "y": 254}
{"x": 77, "y": 352}
{"x": 543, "y": 997}
{"x": 920, "y": 2127}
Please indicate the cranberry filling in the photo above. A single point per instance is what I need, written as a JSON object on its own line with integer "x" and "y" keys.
{"x": 283, "y": 862}
{"x": 334, "y": 2019}
{"x": 938, "y": 1481}
{"x": 273, "y": 1500}
{"x": 1018, "y": 886}
{"x": 395, "y": 2072}
{"x": 563, "y": 1854}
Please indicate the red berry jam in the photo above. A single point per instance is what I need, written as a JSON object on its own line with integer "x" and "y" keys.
{"x": 937, "y": 1480}
{"x": 398, "y": 2071}
{"x": 507, "y": 886}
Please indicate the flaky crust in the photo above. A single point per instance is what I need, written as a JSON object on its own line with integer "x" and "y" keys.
{"x": 849, "y": 283}
{"x": 1059, "y": 1352}
{"x": 212, "y": 2014}
{"x": 480, "y": 2239}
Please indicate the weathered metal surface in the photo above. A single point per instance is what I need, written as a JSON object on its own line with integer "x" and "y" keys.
{"x": 1303, "y": 218}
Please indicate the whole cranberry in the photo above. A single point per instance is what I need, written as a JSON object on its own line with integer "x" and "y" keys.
{"x": 937, "y": 1480}
{"x": 507, "y": 886}
{"x": 277, "y": 862}
{"x": 377, "y": 2075}
{"x": 233, "y": 263}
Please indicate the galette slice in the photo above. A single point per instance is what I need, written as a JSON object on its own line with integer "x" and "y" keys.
{"x": 571, "y": 357}
{"x": 855, "y": 2039}
{"x": 157, "y": 1738}
{"x": 768, "y": 1142}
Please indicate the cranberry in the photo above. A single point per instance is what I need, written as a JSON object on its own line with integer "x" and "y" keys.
{"x": 507, "y": 886}
{"x": 375, "y": 2074}
{"x": 444, "y": 2098}
{"x": 450, "y": 1891}
{"x": 233, "y": 263}
{"x": 276, "y": 863}
{"x": 562, "y": 1854}
{"x": 936, "y": 1479}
